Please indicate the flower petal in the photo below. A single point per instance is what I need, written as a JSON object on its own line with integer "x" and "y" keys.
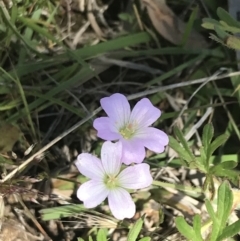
{"x": 132, "y": 151}
{"x": 90, "y": 166}
{"x": 153, "y": 139}
{"x": 121, "y": 204}
{"x": 117, "y": 108}
{"x": 111, "y": 155}
{"x": 92, "y": 193}
{"x": 135, "y": 177}
{"x": 106, "y": 129}
{"x": 144, "y": 113}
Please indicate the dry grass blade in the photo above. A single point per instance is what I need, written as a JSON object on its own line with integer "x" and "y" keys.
{"x": 169, "y": 25}
{"x": 9, "y": 135}
{"x": 31, "y": 216}
{"x": 92, "y": 20}
{"x": 96, "y": 220}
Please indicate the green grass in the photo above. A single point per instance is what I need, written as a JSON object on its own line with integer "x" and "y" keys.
{"x": 51, "y": 91}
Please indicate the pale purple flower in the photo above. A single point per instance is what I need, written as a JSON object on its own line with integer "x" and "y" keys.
{"x": 108, "y": 181}
{"x": 131, "y": 128}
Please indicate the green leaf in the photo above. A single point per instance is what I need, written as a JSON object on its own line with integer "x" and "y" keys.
{"x": 173, "y": 143}
{"x": 90, "y": 238}
{"x": 220, "y": 140}
{"x": 197, "y": 227}
{"x": 183, "y": 141}
{"x": 135, "y": 230}
{"x": 210, "y": 210}
{"x": 236, "y": 85}
{"x": 224, "y": 204}
{"x": 80, "y": 239}
{"x": 218, "y": 40}
{"x": 202, "y": 160}
{"x": 126, "y": 17}
{"x": 61, "y": 212}
{"x": 215, "y": 225}
{"x": 114, "y": 44}
{"x": 226, "y": 17}
{"x": 145, "y": 239}
{"x": 233, "y": 42}
{"x": 189, "y": 26}
{"x": 230, "y": 231}
{"x": 184, "y": 228}
{"x": 101, "y": 235}
{"x": 222, "y": 25}
{"x": 231, "y": 174}
{"x": 34, "y": 26}
{"x": 209, "y": 23}
{"x": 221, "y": 33}
{"x": 226, "y": 165}
{"x": 175, "y": 70}
{"x": 36, "y": 16}
{"x": 207, "y": 135}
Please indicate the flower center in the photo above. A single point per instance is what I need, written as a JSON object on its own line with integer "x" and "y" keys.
{"x": 111, "y": 182}
{"x": 127, "y": 131}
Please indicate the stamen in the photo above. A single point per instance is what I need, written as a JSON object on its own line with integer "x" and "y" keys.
{"x": 128, "y": 131}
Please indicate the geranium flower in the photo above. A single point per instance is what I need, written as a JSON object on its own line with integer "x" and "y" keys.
{"x": 131, "y": 128}
{"x": 107, "y": 181}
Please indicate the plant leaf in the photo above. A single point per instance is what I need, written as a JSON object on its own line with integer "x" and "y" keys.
{"x": 224, "y": 203}
{"x": 90, "y": 238}
{"x": 197, "y": 227}
{"x": 101, "y": 235}
{"x": 220, "y": 140}
{"x": 173, "y": 143}
{"x": 145, "y": 239}
{"x": 226, "y": 165}
{"x": 207, "y": 134}
{"x": 230, "y": 231}
{"x": 183, "y": 141}
{"x": 215, "y": 224}
{"x": 226, "y": 17}
{"x": 60, "y": 212}
{"x": 184, "y": 228}
{"x": 135, "y": 230}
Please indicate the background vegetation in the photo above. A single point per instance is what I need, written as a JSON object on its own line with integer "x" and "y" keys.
{"x": 59, "y": 58}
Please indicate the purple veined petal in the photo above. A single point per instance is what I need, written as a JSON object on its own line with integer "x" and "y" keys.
{"x": 121, "y": 204}
{"x": 153, "y": 139}
{"x": 144, "y": 113}
{"x": 133, "y": 151}
{"x": 117, "y": 108}
{"x": 90, "y": 166}
{"x": 135, "y": 177}
{"x": 92, "y": 193}
{"x": 111, "y": 155}
{"x": 106, "y": 129}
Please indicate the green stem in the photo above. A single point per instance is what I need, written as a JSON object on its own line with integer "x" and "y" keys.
{"x": 190, "y": 190}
